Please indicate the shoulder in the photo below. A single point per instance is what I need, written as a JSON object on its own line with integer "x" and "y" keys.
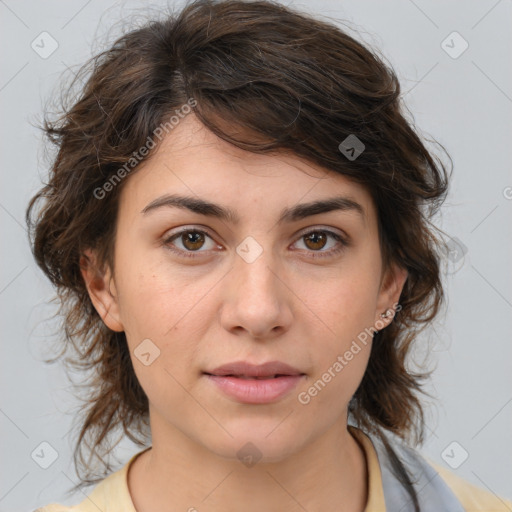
{"x": 110, "y": 495}
{"x": 437, "y": 487}
{"x": 472, "y": 497}
{"x": 95, "y": 501}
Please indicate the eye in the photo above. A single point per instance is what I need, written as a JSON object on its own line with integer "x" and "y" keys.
{"x": 191, "y": 240}
{"x": 318, "y": 238}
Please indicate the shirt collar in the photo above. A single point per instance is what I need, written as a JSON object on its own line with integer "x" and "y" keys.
{"x": 376, "y": 502}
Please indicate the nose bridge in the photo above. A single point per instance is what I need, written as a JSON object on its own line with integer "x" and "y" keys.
{"x": 256, "y": 266}
{"x": 257, "y": 298}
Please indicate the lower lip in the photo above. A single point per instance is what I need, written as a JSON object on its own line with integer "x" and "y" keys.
{"x": 255, "y": 391}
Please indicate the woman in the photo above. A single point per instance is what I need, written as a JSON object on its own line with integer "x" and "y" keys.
{"x": 238, "y": 225}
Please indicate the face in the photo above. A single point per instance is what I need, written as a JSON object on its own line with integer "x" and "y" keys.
{"x": 194, "y": 291}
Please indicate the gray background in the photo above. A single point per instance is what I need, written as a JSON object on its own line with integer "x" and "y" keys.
{"x": 465, "y": 103}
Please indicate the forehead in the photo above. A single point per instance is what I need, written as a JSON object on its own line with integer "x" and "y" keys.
{"x": 191, "y": 160}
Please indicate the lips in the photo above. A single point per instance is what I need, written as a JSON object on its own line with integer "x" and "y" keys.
{"x": 255, "y": 384}
{"x": 246, "y": 370}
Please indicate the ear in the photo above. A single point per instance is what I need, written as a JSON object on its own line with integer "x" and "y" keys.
{"x": 99, "y": 289}
{"x": 391, "y": 287}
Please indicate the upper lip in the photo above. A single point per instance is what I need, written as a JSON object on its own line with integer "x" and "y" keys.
{"x": 246, "y": 369}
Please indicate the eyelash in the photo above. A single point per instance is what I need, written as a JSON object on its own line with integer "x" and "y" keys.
{"x": 343, "y": 243}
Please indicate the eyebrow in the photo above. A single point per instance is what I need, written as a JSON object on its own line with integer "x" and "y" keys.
{"x": 292, "y": 214}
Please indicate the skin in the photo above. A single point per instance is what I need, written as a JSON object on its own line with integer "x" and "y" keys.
{"x": 215, "y": 308}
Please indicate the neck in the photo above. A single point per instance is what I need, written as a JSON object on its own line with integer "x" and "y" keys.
{"x": 177, "y": 473}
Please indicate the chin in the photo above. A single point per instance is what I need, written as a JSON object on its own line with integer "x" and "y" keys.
{"x": 263, "y": 441}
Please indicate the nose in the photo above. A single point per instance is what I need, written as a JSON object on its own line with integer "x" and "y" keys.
{"x": 257, "y": 299}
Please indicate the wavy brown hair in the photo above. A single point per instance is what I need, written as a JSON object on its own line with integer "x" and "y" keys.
{"x": 264, "y": 78}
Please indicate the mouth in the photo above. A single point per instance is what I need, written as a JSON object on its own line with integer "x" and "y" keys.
{"x": 244, "y": 369}
{"x": 255, "y": 384}
{"x": 251, "y": 377}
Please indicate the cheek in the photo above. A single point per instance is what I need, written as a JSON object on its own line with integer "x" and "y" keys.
{"x": 341, "y": 357}
{"x": 344, "y": 309}
{"x": 345, "y": 304}
{"x": 160, "y": 312}
{"x": 152, "y": 297}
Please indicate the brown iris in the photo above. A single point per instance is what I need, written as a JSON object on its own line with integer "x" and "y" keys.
{"x": 194, "y": 238}
{"x": 316, "y": 237}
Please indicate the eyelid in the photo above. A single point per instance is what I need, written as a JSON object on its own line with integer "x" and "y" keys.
{"x": 329, "y": 229}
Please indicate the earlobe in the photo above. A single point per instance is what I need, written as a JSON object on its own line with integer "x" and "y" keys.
{"x": 99, "y": 287}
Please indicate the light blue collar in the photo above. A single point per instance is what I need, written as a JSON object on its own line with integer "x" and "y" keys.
{"x": 433, "y": 493}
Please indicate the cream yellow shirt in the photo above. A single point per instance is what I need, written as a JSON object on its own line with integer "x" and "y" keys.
{"x": 112, "y": 493}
